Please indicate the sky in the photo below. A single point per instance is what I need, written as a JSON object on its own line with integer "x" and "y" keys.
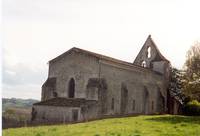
{"x": 36, "y": 31}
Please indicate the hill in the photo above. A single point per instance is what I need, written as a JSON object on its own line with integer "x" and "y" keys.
{"x": 17, "y": 103}
{"x": 165, "y": 125}
{"x": 16, "y": 112}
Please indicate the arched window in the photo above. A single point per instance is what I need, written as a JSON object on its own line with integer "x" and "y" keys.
{"x": 71, "y": 89}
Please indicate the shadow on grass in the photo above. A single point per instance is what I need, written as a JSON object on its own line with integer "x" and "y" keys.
{"x": 176, "y": 119}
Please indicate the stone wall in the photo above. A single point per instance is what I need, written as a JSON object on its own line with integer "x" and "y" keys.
{"x": 142, "y": 87}
{"x": 75, "y": 65}
{"x": 46, "y": 113}
{"x": 118, "y": 88}
{"x": 56, "y": 113}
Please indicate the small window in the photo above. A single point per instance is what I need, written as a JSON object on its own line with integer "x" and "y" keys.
{"x": 152, "y": 105}
{"x": 149, "y": 52}
{"x": 112, "y": 104}
{"x": 133, "y": 107}
{"x": 55, "y": 94}
{"x": 144, "y": 64}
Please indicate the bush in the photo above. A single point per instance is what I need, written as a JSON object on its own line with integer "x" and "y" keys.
{"x": 192, "y": 108}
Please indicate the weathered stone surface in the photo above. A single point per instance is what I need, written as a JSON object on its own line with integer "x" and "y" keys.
{"x": 118, "y": 87}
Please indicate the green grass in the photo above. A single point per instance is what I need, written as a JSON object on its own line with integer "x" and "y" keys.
{"x": 165, "y": 125}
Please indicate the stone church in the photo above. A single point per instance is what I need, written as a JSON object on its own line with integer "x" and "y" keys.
{"x": 84, "y": 85}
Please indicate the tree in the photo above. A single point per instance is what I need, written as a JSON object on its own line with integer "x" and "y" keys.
{"x": 192, "y": 68}
{"x": 176, "y": 86}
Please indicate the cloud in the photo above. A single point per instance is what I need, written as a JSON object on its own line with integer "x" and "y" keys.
{"x": 25, "y": 10}
{"x": 42, "y": 10}
{"x": 22, "y": 74}
{"x": 22, "y": 80}
{"x": 21, "y": 91}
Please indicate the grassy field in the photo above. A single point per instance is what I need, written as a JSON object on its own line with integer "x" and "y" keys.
{"x": 165, "y": 125}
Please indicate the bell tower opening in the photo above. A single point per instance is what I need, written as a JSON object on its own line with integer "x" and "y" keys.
{"x": 149, "y": 52}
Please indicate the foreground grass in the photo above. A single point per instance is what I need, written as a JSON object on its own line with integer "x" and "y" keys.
{"x": 165, "y": 125}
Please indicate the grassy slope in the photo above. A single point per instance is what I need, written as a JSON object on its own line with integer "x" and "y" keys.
{"x": 165, "y": 125}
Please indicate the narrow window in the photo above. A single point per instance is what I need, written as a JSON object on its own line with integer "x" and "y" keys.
{"x": 71, "y": 89}
{"x": 152, "y": 105}
{"x": 149, "y": 52}
{"x": 144, "y": 64}
{"x": 112, "y": 104}
{"x": 75, "y": 115}
{"x": 133, "y": 108}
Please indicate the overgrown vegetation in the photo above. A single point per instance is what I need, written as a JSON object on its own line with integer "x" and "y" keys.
{"x": 165, "y": 125}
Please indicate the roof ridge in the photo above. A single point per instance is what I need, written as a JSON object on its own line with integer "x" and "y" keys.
{"x": 100, "y": 56}
{"x": 111, "y": 58}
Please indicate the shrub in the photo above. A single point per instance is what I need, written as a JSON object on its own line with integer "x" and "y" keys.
{"x": 192, "y": 108}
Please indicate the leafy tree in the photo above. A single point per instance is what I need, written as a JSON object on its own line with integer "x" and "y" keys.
{"x": 192, "y": 68}
{"x": 176, "y": 86}
{"x": 192, "y": 63}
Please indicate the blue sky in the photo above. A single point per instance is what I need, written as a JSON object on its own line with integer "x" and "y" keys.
{"x": 35, "y": 31}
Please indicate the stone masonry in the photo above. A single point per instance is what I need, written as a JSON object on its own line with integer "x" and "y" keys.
{"x": 83, "y": 85}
